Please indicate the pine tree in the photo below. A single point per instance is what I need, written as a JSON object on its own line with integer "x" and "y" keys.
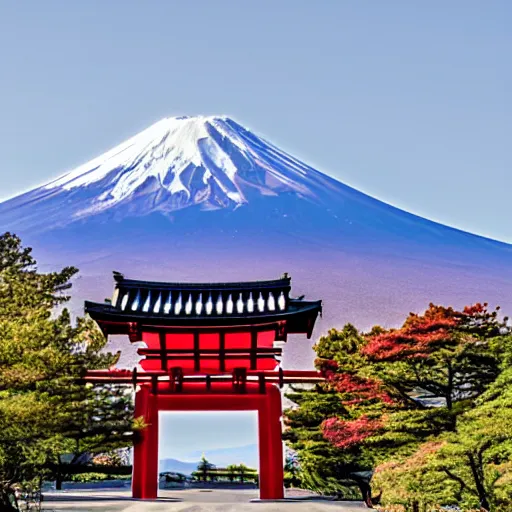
{"x": 325, "y": 467}
{"x": 470, "y": 467}
{"x": 44, "y": 410}
{"x": 204, "y": 469}
{"x": 444, "y": 354}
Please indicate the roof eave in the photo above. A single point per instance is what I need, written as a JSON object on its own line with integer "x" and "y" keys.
{"x": 300, "y": 319}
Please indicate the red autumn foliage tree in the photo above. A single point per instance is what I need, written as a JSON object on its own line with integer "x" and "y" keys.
{"x": 389, "y": 380}
{"x": 418, "y": 338}
{"x": 355, "y": 389}
{"x": 438, "y": 327}
{"x": 346, "y": 434}
{"x": 328, "y": 367}
{"x": 443, "y": 354}
{"x": 332, "y": 406}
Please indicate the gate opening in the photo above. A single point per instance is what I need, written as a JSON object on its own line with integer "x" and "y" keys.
{"x": 226, "y": 439}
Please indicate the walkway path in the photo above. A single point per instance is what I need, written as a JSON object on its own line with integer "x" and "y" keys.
{"x": 182, "y": 501}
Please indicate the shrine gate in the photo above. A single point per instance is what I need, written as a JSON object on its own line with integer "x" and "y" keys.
{"x": 209, "y": 347}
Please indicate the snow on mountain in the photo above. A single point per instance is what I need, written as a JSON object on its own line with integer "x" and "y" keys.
{"x": 163, "y": 152}
{"x": 210, "y": 162}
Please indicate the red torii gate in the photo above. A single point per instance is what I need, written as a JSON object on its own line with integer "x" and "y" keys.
{"x": 210, "y": 347}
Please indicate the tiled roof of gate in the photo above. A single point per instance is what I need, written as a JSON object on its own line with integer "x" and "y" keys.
{"x": 201, "y": 299}
{"x": 211, "y": 305}
{"x": 152, "y": 299}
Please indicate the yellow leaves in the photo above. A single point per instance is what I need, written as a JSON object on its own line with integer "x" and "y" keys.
{"x": 19, "y": 376}
{"x": 23, "y": 415}
{"x": 139, "y": 423}
{"x": 416, "y": 461}
{"x": 389, "y": 465}
{"x": 505, "y": 472}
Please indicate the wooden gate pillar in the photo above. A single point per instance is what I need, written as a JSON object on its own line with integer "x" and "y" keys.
{"x": 145, "y": 451}
{"x": 276, "y": 443}
{"x": 271, "y": 446}
{"x": 264, "y": 449}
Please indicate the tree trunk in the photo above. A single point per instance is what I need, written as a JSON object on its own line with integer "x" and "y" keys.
{"x": 479, "y": 484}
{"x": 449, "y": 402}
{"x": 366, "y": 493}
{"x": 449, "y": 398}
{"x": 58, "y": 483}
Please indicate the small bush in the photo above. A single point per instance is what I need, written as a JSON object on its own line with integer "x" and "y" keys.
{"x": 97, "y": 477}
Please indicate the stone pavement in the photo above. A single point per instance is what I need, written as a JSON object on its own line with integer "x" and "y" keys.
{"x": 182, "y": 501}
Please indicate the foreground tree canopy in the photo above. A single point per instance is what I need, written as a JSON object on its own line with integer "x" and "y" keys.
{"x": 422, "y": 414}
{"x": 47, "y": 417}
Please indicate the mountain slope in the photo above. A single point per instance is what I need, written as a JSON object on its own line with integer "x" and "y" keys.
{"x": 204, "y": 163}
{"x": 202, "y": 198}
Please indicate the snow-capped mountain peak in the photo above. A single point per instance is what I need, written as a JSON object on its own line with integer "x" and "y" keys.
{"x": 183, "y": 161}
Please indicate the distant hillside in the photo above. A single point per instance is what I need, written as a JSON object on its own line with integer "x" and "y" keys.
{"x": 222, "y": 457}
{"x": 177, "y": 466}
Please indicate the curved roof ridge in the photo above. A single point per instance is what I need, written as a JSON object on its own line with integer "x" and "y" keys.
{"x": 283, "y": 281}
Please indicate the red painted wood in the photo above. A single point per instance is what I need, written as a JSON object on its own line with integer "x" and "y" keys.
{"x": 208, "y": 340}
{"x": 126, "y": 376}
{"x": 264, "y": 448}
{"x": 276, "y": 465}
{"x": 266, "y": 338}
{"x": 140, "y": 446}
{"x": 221, "y": 398}
{"x": 151, "y": 477}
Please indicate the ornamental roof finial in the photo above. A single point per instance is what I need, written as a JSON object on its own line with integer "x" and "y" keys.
{"x": 118, "y": 276}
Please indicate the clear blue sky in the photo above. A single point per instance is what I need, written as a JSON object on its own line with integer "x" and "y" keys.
{"x": 407, "y": 101}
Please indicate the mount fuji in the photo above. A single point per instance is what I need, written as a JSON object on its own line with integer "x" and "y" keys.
{"x": 204, "y": 199}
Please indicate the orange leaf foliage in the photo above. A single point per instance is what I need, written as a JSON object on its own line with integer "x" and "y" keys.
{"x": 345, "y": 434}
{"x": 419, "y": 336}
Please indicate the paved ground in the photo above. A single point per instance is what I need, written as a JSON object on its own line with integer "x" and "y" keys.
{"x": 182, "y": 501}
